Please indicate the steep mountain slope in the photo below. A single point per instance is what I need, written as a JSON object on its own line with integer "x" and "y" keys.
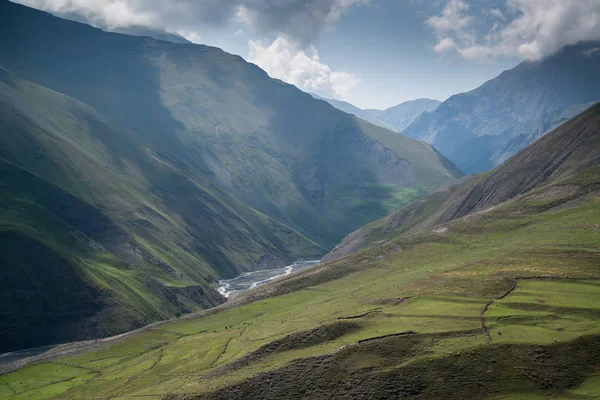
{"x": 402, "y": 115}
{"x": 480, "y": 129}
{"x": 153, "y": 238}
{"x": 360, "y": 113}
{"x": 569, "y": 149}
{"x": 218, "y": 112}
{"x": 497, "y": 304}
{"x": 199, "y": 164}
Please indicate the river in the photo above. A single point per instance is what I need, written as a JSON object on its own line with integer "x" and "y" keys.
{"x": 20, "y": 354}
{"x": 250, "y": 280}
{"x": 239, "y": 284}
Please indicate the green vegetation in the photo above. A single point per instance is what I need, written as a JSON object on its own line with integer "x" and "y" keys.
{"x": 115, "y": 217}
{"x": 554, "y": 311}
{"x": 429, "y": 291}
{"x": 144, "y": 171}
{"x": 567, "y": 155}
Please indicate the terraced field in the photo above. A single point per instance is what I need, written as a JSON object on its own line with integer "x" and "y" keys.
{"x": 545, "y": 311}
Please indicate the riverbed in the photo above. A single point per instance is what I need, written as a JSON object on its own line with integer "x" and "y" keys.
{"x": 250, "y": 280}
{"x": 236, "y": 285}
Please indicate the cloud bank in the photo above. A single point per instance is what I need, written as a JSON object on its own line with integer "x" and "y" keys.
{"x": 297, "y": 20}
{"x": 286, "y": 61}
{"x": 296, "y": 24}
{"x": 530, "y": 29}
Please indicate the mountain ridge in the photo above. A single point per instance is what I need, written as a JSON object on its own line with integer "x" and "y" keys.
{"x": 504, "y": 289}
{"x": 209, "y": 168}
{"x": 395, "y": 118}
{"x": 402, "y": 115}
{"x": 549, "y": 159}
{"x": 506, "y": 113}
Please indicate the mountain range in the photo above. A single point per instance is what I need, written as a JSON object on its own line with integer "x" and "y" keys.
{"x": 136, "y": 173}
{"x": 480, "y": 129}
{"x": 568, "y": 150}
{"x": 396, "y": 118}
{"x": 402, "y": 115}
{"x": 486, "y": 289}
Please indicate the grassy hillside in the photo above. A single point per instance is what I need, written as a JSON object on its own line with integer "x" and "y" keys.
{"x": 496, "y": 304}
{"x": 194, "y": 163}
{"x": 567, "y": 150}
{"x": 273, "y": 147}
{"x": 157, "y": 239}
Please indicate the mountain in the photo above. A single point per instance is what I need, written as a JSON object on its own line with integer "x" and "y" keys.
{"x": 499, "y": 303}
{"x": 352, "y": 109}
{"x": 136, "y": 173}
{"x": 568, "y": 150}
{"x": 133, "y": 30}
{"x": 395, "y": 118}
{"x": 480, "y": 129}
{"x": 153, "y": 33}
{"x": 402, "y": 115}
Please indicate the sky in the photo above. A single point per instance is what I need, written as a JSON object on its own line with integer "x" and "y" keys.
{"x": 371, "y": 53}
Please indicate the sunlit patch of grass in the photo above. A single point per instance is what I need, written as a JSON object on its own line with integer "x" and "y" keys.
{"x": 432, "y": 284}
{"x": 541, "y": 311}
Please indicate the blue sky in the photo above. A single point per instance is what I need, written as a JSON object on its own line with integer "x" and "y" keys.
{"x": 372, "y": 53}
{"x": 389, "y": 47}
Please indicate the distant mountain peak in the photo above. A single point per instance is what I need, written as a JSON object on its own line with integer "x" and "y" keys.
{"x": 479, "y": 129}
{"x": 395, "y": 118}
{"x": 402, "y": 115}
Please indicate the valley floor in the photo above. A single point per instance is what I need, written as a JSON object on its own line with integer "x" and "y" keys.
{"x": 501, "y": 304}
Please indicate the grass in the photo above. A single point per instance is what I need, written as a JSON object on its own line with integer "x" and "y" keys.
{"x": 436, "y": 285}
{"x": 186, "y": 195}
{"x": 546, "y": 312}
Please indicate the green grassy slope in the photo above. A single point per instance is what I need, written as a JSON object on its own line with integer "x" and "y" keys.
{"x": 173, "y": 234}
{"x": 567, "y": 150}
{"x": 203, "y": 166}
{"x": 497, "y": 304}
{"x": 61, "y": 275}
{"x": 275, "y": 148}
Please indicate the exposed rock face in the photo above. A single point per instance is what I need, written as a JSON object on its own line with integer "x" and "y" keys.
{"x": 480, "y": 129}
{"x": 391, "y": 170}
{"x": 351, "y": 244}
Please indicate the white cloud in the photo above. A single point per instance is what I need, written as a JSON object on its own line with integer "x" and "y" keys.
{"x": 531, "y": 29}
{"x": 589, "y": 52}
{"x": 295, "y": 23}
{"x": 445, "y": 44}
{"x": 299, "y": 20}
{"x": 285, "y": 60}
{"x": 496, "y": 13}
{"x": 452, "y": 19}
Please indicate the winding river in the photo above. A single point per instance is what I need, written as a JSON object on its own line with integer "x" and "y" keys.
{"x": 250, "y": 280}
